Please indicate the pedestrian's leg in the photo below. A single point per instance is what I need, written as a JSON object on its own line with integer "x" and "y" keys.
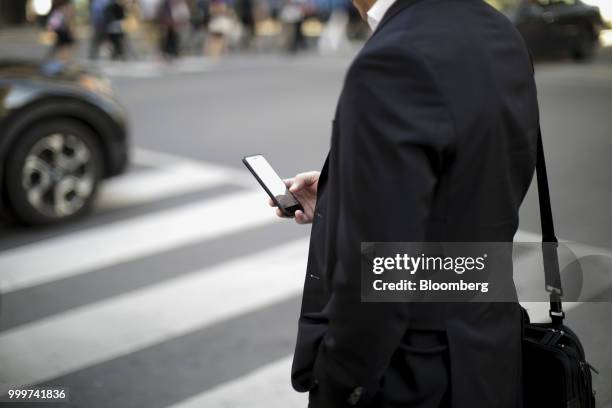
{"x": 296, "y": 38}
{"x": 52, "y": 51}
{"x": 301, "y": 40}
{"x": 163, "y": 42}
{"x": 113, "y": 41}
{"x": 173, "y": 43}
{"x": 94, "y": 47}
{"x": 121, "y": 46}
{"x": 117, "y": 44}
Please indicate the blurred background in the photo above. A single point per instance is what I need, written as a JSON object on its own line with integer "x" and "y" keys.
{"x": 139, "y": 263}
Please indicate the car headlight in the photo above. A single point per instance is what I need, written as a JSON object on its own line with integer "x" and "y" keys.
{"x": 96, "y": 84}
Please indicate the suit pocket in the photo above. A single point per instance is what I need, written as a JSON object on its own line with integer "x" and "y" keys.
{"x": 313, "y": 298}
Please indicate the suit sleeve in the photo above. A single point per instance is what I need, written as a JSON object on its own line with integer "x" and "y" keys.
{"x": 395, "y": 132}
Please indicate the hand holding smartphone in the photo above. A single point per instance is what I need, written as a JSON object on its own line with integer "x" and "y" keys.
{"x": 272, "y": 184}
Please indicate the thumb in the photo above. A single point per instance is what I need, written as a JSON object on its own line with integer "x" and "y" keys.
{"x": 302, "y": 180}
{"x": 296, "y": 185}
{"x": 289, "y": 182}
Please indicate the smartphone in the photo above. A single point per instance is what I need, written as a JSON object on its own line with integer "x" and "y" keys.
{"x": 273, "y": 184}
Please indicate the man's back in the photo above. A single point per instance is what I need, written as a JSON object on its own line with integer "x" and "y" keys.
{"x": 434, "y": 140}
{"x": 481, "y": 68}
{"x": 484, "y": 72}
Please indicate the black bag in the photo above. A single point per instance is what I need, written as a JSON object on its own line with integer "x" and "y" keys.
{"x": 555, "y": 371}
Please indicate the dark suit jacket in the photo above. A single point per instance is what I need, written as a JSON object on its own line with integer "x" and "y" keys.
{"x": 434, "y": 139}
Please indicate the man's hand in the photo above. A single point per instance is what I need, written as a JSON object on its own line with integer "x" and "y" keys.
{"x": 304, "y": 188}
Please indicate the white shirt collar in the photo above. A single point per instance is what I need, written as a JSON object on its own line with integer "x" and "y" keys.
{"x": 377, "y": 12}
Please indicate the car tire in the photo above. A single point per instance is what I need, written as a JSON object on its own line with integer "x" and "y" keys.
{"x": 52, "y": 172}
{"x": 587, "y": 44}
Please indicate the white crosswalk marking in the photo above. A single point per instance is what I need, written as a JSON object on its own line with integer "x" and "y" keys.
{"x": 101, "y": 331}
{"x": 265, "y": 387}
{"x": 119, "y": 242}
{"x": 151, "y": 185}
{"x": 98, "y": 332}
{"x": 269, "y": 385}
{"x": 158, "y": 159}
{"x": 167, "y": 176}
{"x": 154, "y": 69}
{"x": 594, "y": 280}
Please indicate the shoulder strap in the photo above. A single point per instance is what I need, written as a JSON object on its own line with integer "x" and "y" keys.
{"x": 549, "y": 239}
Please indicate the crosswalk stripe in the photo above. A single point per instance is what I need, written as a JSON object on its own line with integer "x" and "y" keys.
{"x": 84, "y": 251}
{"x": 154, "y": 158}
{"x": 82, "y": 337}
{"x": 76, "y": 339}
{"x": 269, "y": 385}
{"x": 265, "y": 387}
{"x": 151, "y": 185}
{"x": 594, "y": 282}
{"x": 152, "y": 69}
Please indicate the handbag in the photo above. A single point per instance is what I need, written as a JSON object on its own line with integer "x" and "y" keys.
{"x": 555, "y": 371}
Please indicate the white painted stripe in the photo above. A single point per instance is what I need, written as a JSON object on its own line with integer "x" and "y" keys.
{"x": 266, "y": 387}
{"x": 117, "y": 326}
{"x": 148, "y": 186}
{"x": 152, "y": 69}
{"x": 527, "y": 236}
{"x": 269, "y": 387}
{"x": 592, "y": 284}
{"x": 538, "y": 311}
{"x": 152, "y": 158}
{"x": 83, "y": 251}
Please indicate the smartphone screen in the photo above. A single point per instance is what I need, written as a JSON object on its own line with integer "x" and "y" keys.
{"x": 272, "y": 183}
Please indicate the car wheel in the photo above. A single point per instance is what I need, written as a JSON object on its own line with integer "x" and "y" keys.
{"x": 53, "y": 172}
{"x": 587, "y": 44}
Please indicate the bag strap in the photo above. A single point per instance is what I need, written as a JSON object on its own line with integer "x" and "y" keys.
{"x": 549, "y": 239}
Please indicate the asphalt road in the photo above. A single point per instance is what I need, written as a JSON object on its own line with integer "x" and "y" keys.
{"x": 182, "y": 288}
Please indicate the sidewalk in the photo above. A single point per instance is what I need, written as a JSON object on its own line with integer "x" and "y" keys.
{"x": 30, "y": 41}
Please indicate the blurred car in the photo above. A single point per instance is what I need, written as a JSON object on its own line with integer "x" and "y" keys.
{"x": 552, "y": 27}
{"x": 61, "y": 132}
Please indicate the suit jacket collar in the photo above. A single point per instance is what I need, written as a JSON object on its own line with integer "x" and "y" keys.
{"x": 398, "y": 6}
{"x": 376, "y": 13}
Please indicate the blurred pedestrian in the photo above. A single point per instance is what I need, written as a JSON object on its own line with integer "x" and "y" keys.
{"x": 200, "y": 18}
{"x": 172, "y": 16}
{"x": 274, "y": 8}
{"x": 148, "y": 15}
{"x": 98, "y": 26}
{"x": 114, "y": 15}
{"x": 220, "y": 28}
{"x": 334, "y": 35}
{"x": 246, "y": 15}
{"x": 293, "y": 16}
{"x": 61, "y": 23}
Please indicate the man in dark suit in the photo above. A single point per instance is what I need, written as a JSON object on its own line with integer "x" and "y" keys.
{"x": 434, "y": 140}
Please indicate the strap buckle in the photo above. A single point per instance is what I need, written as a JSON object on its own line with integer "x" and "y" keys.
{"x": 557, "y": 317}
{"x": 553, "y": 313}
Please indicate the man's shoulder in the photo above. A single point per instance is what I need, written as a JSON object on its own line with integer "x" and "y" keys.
{"x": 450, "y": 38}
{"x": 453, "y": 13}
{"x": 444, "y": 26}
